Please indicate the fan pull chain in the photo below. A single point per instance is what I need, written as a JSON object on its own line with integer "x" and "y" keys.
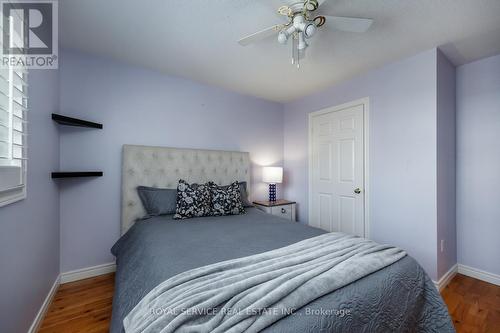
{"x": 296, "y": 49}
{"x": 298, "y": 58}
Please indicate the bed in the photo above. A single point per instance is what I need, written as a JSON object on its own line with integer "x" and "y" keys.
{"x": 397, "y": 298}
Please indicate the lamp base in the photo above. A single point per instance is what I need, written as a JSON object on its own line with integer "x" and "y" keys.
{"x": 272, "y": 192}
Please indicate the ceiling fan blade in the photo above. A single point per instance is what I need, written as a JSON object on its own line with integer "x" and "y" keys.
{"x": 260, "y": 35}
{"x": 320, "y": 2}
{"x": 350, "y": 24}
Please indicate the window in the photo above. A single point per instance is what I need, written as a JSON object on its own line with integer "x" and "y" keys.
{"x": 13, "y": 126}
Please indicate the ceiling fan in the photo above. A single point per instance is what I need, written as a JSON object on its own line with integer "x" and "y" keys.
{"x": 302, "y": 22}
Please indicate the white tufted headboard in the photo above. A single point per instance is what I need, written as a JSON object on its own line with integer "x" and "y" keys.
{"x": 164, "y": 166}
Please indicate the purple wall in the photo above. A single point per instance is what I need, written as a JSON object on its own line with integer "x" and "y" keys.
{"x": 139, "y": 106}
{"x": 446, "y": 160}
{"x": 402, "y": 151}
{"x": 412, "y": 160}
{"x": 29, "y": 229}
{"x": 478, "y": 164}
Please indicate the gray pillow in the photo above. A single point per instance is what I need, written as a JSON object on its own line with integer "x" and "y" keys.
{"x": 158, "y": 201}
{"x": 244, "y": 195}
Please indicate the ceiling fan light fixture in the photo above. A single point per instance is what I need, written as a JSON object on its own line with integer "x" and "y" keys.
{"x": 285, "y": 11}
{"x": 282, "y": 37}
{"x": 309, "y": 30}
{"x": 302, "y": 25}
{"x": 311, "y": 5}
{"x": 285, "y": 34}
{"x": 302, "y": 42}
{"x": 319, "y": 21}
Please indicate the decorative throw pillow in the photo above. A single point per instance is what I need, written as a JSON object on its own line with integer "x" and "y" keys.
{"x": 244, "y": 194}
{"x": 226, "y": 200}
{"x": 193, "y": 200}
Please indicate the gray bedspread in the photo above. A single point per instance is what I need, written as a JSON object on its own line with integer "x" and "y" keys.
{"x": 397, "y": 298}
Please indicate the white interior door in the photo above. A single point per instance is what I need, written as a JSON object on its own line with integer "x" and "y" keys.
{"x": 337, "y": 170}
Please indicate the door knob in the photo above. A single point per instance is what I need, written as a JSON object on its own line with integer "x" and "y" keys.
{"x": 357, "y": 191}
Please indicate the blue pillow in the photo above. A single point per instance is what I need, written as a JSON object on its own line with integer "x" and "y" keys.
{"x": 158, "y": 201}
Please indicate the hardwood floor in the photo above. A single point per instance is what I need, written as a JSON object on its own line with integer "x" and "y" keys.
{"x": 474, "y": 305}
{"x": 81, "y": 307}
{"x": 85, "y": 306}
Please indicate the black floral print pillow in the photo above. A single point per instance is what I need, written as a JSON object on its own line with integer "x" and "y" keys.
{"x": 193, "y": 200}
{"x": 226, "y": 200}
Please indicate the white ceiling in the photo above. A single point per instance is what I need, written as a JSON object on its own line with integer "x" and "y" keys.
{"x": 196, "y": 39}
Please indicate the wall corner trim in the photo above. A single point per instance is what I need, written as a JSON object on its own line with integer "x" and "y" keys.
{"x": 479, "y": 274}
{"x": 45, "y": 306}
{"x": 88, "y": 272}
{"x": 446, "y": 278}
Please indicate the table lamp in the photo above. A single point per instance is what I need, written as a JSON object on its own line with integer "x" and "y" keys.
{"x": 273, "y": 176}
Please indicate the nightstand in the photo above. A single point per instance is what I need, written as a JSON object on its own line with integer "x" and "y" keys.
{"x": 282, "y": 208}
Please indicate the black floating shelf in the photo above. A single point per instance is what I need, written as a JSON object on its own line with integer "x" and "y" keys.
{"x": 76, "y": 174}
{"x": 68, "y": 121}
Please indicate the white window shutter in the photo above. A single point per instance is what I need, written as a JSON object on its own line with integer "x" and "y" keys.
{"x": 13, "y": 134}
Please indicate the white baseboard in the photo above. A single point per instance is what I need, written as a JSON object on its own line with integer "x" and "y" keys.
{"x": 446, "y": 278}
{"x": 79, "y": 274}
{"x": 45, "y": 306}
{"x": 88, "y": 272}
{"x": 479, "y": 274}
